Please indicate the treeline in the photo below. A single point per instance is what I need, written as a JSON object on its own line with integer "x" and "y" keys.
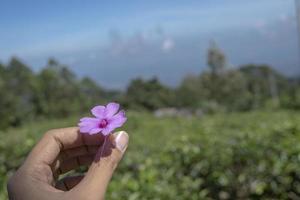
{"x": 55, "y": 91}
{"x": 246, "y": 88}
{"x": 220, "y": 88}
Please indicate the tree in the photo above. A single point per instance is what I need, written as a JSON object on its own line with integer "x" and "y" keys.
{"x": 91, "y": 93}
{"x": 264, "y": 83}
{"x": 149, "y": 94}
{"x": 192, "y": 92}
{"x": 20, "y": 87}
{"x": 208, "y": 92}
{"x": 54, "y": 92}
{"x": 6, "y": 100}
{"x": 216, "y": 59}
{"x": 2, "y": 69}
{"x": 59, "y": 90}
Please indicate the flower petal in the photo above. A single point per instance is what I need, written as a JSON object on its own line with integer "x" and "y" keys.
{"x": 95, "y": 131}
{"x": 106, "y": 131}
{"x": 86, "y": 128}
{"x": 117, "y": 120}
{"x": 98, "y": 111}
{"x": 81, "y": 124}
{"x": 86, "y": 124}
{"x": 89, "y": 119}
{"x": 111, "y": 109}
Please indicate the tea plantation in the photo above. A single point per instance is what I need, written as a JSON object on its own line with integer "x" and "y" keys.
{"x": 253, "y": 155}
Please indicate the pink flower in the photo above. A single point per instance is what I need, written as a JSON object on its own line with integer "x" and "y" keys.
{"x": 107, "y": 118}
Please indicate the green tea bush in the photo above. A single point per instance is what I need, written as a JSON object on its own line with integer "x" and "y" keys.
{"x": 242, "y": 167}
{"x": 229, "y": 156}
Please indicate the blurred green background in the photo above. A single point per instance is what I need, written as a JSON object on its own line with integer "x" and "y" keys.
{"x": 253, "y": 155}
{"x": 222, "y": 134}
{"x": 198, "y": 130}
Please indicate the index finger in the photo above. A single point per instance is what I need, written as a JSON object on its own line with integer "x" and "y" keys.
{"x": 54, "y": 141}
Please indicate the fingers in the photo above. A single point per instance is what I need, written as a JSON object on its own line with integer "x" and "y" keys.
{"x": 75, "y": 152}
{"x": 54, "y": 141}
{"x": 73, "y": 158}
{"x": 100, "y": 172}
{"x": 79, "y": 151}
{"x": 76, "y": 162}
{"x": 68, "y": 183}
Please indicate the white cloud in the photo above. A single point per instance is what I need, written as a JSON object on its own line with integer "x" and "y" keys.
{"x": 260, "y": 24}
{"x": 284, "y": 18}
{"x": 265, "y": 29}
{"x": 140, "y": 42}
{"x": 126, "y": 45}
{"x": 168, "y": 44}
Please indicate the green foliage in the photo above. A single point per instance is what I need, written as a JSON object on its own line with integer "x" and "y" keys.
{"x": 216, "y": 59}
{"x": 17, "y": 89}
{"x": 221, "y": 90}
{"x": 291, "y": 97}
{"x": 264, "y": 84}
{"x": 53, "y": 92}
{"x": 247, "y": 88}
{"x": 58, "y": 83}
{"x": 239, "y": 156}
{"x": 56, "y": 91}
{"x": 193, "y": 88}
{"x": 252, "y": 155}
{"x": 149, "y": 94}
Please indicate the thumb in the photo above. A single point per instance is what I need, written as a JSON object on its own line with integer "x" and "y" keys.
{"x": 95, "y": 182}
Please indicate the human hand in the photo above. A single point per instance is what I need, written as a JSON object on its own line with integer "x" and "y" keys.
{"x": 60, "y": 151}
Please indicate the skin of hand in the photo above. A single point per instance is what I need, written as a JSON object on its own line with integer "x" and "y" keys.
{"x": 60, "y": 151}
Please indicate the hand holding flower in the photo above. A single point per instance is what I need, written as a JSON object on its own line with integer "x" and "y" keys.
{"x": 62, "y": 150}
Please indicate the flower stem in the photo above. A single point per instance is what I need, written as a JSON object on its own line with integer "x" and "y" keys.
{"x": 105, "y": 138}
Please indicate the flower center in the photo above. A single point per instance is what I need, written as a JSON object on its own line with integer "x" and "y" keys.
{"x": 103, "y": 123}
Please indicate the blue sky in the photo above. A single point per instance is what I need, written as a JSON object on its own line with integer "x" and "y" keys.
{"x": 114, "y": 41}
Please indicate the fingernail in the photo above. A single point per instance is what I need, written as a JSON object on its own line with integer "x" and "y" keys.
{"x": 122, "y": 141}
